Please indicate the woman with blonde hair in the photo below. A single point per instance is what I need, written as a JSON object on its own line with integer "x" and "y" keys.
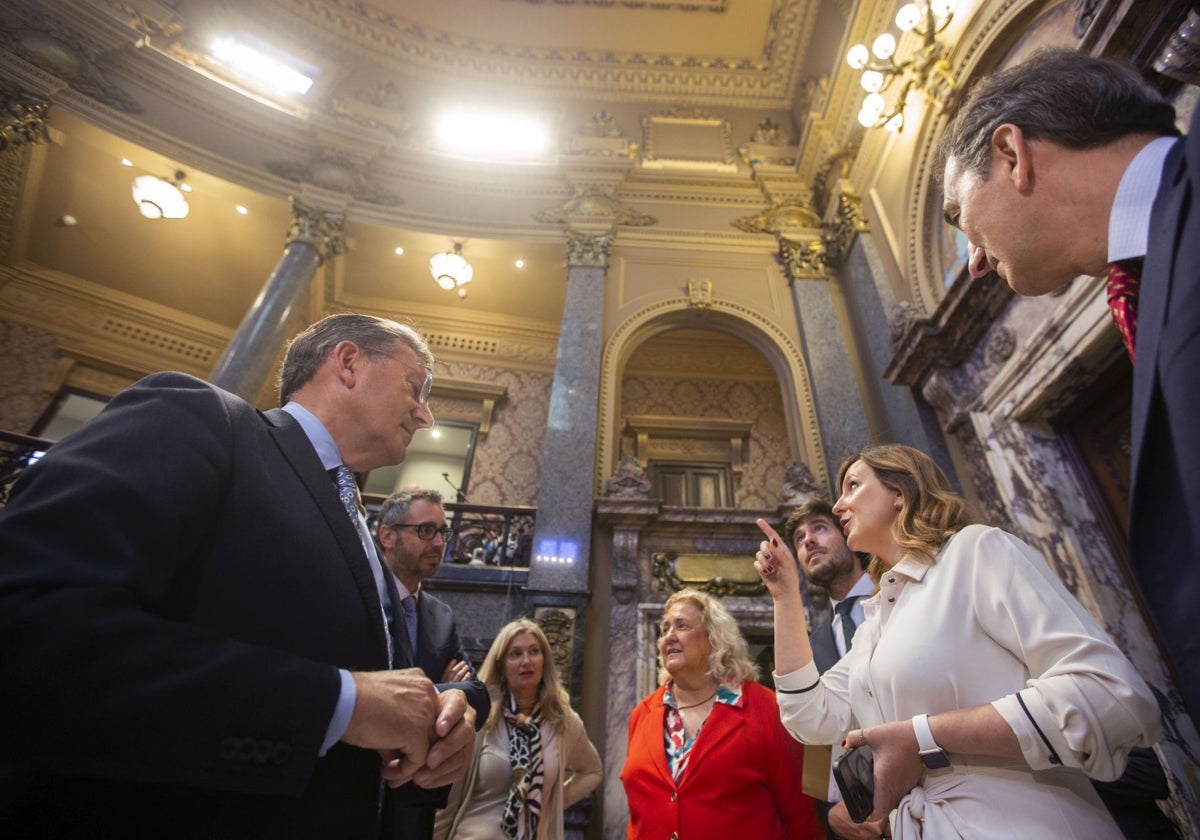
{"x": 532, "y": 759}
{"x": 708, "y": 756}
{"x": 984, "y": 690}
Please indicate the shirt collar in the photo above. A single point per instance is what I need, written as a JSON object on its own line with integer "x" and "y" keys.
{"x": 317, "y": 435}
{"x": 1129, "y": 221}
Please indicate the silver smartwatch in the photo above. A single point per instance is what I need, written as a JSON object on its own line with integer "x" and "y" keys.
{"x": 932, "y": 756}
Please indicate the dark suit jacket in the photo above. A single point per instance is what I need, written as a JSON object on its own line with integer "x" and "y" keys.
{"x": 825, "y": 653}
{"x": 742, "y": 778}
{"x": 437, "y": 644}
{"x": 178, "y": 581}
{"x": 1165, "y": 496}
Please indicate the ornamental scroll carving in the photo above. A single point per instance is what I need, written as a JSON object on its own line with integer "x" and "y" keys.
{"x": 319, "y": 228}
{"x": 23, "y": 118}
{"x": 804, "y": 260}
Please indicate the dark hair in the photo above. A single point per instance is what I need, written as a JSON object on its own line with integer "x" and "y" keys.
{"x": 1069, "y": 98}
{"x": 374, "y": 336}
{"x": 930, "y": 513}
{"x": 395, "y": 507}
{"x": 809, "y": 510}
{"x": 812, "y": 509}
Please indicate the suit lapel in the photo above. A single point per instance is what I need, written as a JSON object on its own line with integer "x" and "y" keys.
{"x": 295, "y": 447}
{"x": 1166, "y": 226}
{"x": 722, "y": 723}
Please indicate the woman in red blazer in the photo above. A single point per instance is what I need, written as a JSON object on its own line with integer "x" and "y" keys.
{"x": 708, "y": 756}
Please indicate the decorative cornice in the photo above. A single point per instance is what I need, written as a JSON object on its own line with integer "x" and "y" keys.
{"x": 41, "y": 39}
{"x": 22, "y": 118}
{"x": 318, "y": 228}
{"x": 947, "y": 337}
{"x": 768, "y": 79}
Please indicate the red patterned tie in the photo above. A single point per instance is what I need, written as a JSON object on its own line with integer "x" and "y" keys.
{"x": 1124, "y": 277}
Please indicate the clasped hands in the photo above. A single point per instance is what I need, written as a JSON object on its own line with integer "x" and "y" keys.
{"x": 423, "y": 736}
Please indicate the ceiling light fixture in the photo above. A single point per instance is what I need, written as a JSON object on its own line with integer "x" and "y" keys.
{"x": 158, "y": 198}
{"x": 926, "y": 65}
{"x": 450, "y": 270}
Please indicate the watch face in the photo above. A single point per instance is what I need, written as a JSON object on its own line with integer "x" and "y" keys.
{"x": 935, "y": 760}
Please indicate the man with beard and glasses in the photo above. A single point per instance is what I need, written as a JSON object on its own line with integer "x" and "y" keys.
{"x": 826, "y": 560}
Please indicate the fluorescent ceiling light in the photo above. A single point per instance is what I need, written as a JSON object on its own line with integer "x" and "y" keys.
{"x": 257, "y": 63}
{"x": 491, "y": 134}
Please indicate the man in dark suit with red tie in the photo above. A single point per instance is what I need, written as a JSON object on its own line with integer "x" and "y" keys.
{"x": 193, "y": 617}
{"x": 412, "y": 532}
{"x": 1062, "y": 166}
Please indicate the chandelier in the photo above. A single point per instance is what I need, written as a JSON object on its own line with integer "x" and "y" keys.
{"x": 158, "y": 198}
{"x": 927, "y": 18}
{"x": 451, "y": 271}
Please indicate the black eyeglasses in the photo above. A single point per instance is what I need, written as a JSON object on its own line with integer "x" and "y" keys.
{"x": 427, "y": 530}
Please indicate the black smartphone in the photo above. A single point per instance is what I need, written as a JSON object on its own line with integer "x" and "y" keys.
{"x": 854, "y": 773}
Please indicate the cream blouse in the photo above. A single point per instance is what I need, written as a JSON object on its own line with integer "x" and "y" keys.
{"x": 987, "y": 623}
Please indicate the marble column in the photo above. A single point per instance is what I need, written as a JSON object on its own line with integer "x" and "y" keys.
{"x": 562, "y": 536}
{"x": 841, "y": 413}
{"x": 313, "y": 238}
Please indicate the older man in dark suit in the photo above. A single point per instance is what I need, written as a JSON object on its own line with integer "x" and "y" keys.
{"x": 1066, "y": 165}
{"x": 412, "y": 532}
{"x": 193, "y": 612}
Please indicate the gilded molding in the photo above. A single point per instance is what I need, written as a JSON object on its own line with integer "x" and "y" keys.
{"x": 781, "y": 218}
{"x": 319, "y": 228}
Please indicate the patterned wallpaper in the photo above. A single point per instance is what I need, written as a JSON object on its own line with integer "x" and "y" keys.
{"x": 508, "y": 461}
{"x": 30, "y": 356}
{"x": 755, "y": 401}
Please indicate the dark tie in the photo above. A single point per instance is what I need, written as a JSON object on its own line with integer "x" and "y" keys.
{"x": 1124, "y": 278}
{"x": 842, "y": 613}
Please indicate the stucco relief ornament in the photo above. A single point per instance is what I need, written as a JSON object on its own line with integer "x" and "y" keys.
{"x": 799, "y": 485}
{"x": 780, "y": 218}
{"x": 629, "y": 481}
{"x": 595, "y": 203}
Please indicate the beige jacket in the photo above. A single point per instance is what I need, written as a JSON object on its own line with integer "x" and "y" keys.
{"x": 579, "y": 773}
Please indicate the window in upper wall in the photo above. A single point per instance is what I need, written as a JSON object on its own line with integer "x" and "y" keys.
{"x": 682, "y": 484}
{"x": 438, "y": 458}
{"x": 69, "y": 410}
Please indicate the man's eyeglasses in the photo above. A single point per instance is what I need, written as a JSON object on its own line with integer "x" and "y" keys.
{"x": 427, "y": 530}
{"x": 423, "y": 397}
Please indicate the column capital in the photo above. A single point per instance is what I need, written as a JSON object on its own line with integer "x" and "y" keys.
{"x": 843, "y": 226}
{"x": 22, "y": 118}
{"x": 804, "y": 259}
{"x": 588, "y": 250}
{"x": 322, "y": 229}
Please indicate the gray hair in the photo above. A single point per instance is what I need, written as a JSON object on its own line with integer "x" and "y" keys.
{"x": 1069, "y": 98}
{"x": 374, "y": 336}
{"x": 395, "y": 507}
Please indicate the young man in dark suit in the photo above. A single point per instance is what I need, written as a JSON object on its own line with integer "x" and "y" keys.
{"x": 823, "y": 556}
{"x": 193, "y": 613}
{"x": 412, "y": 532}
{"x": 1061, "y": 166}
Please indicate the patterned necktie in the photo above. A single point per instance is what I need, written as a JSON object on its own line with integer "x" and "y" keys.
{"x": 410, "y": 622}
{"x": 348, "y": 492}
{"x": 846, "y": 620}
{"x": 1124, "y": 278}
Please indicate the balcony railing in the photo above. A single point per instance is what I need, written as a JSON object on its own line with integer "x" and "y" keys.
{"x": 16, "y": 453}
{"x": 497, "y": 536}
